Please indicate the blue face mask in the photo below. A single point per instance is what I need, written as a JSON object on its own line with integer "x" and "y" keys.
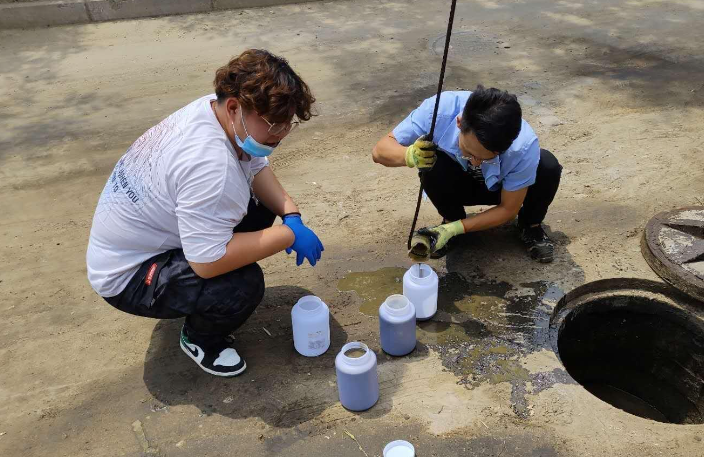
{"x": 250, "y": 145}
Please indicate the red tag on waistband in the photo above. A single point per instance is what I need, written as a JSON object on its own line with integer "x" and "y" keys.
{"x": 150, "y": 275}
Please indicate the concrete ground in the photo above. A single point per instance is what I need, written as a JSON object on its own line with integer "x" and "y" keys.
{"x": 613, "y": 88}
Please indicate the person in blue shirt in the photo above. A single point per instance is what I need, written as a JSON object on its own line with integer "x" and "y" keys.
{"x": 488, "y": 155}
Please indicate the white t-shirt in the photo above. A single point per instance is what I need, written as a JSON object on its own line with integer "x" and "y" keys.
{"x": 180, "y": 185}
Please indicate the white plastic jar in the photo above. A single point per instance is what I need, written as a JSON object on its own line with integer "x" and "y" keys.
{"x": 397, "y": 325}
{"x": 310, "y": 319}
{"x": 420, "y": 286}
{"x": 357, "y": 379}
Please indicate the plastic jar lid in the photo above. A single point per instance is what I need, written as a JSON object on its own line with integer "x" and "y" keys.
{"x": 399, "y": 448}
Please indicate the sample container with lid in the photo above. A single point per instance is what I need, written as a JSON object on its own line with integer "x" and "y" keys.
{"x": 399, "y": 448}
{"x": 310, "y": 318}
{"x": 357, "y": 379}
{"x": 420, "y": 286}
{"x": 397, "y": 325}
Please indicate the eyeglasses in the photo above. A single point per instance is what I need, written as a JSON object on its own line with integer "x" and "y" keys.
{"x": 477, "y": 159}
{"x": 279, "y": 128}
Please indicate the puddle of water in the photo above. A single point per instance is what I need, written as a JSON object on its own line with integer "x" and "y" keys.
{"x": 443, "y": 333}
{"x": 509, "y": 371}
{"x": 478, "y": 299}
{"x": 482, "y": 329}
{"x": 373, "y": 287}
{"x": 476, "y": 306}
{"x": 494, "y": 364}
{"x": 456, "y": 295}
{"x": 469, "y": 362}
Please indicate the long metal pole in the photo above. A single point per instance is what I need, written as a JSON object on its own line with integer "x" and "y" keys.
{"x": 435, "y": 112}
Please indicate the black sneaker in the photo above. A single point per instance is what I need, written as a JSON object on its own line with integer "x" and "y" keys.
{"x": 221, "y": 360}
{"x": 540, "y": 247}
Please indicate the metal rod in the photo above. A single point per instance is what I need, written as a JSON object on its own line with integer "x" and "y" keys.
{"x": 448, "y": 35}
{"x": 442, "y": 68}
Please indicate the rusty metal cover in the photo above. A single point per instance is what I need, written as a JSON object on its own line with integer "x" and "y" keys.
{"x": 673, "y": 246}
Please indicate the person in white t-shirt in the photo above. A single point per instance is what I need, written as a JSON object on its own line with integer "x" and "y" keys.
{"x": 189, "y": 209}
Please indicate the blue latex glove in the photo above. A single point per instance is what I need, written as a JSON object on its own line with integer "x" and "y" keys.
{"x": 307, "y": 244}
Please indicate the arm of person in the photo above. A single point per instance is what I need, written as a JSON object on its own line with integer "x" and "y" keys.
{"x": 389, "y": 152}
{"x": 207, "y": 214}
{"x": 246, "y": 248}
{"x": 271, "y": 193}
{"x": 511, "y": 202}
{"x": 518, "y": 180}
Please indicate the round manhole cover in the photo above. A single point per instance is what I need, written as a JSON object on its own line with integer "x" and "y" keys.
{"x": 465, "y": 44}
{"x": 673, "y": 246}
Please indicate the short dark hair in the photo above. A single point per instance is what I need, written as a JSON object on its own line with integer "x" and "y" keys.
{"x": 494, "y": 116}
{"x": 265, "y": 83}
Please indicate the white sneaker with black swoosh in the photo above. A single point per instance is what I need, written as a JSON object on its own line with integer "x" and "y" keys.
{"x": 219, "y": 361}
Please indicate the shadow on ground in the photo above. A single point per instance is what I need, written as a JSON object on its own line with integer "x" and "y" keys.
{"x": 268, "y": 389}
{"x": 280, "y": 386}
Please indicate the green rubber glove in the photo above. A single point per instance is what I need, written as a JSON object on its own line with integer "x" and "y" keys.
{"x": 441, "y": 234}
{"x": 421, "y": 154}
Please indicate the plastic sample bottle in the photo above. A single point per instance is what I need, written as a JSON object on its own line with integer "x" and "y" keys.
{"x": 357, "y": 379}
{"x": 420, "y": 286}
{"x": 310, "y": 318}
{"x": 397, "y": 325}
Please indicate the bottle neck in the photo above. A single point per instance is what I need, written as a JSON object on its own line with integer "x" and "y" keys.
{"x": 421, "y": 273}
{"x": 355, "y": 360}
{"x": 310, "y": 304}
{"x": 397, "y": 305}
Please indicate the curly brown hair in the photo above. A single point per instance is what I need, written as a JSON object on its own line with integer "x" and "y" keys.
{"x": 265, "y": 83}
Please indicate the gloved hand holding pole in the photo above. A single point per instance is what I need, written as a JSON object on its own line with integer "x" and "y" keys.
{"x": 422, "y": 154}
{"x": 435, "y": 110}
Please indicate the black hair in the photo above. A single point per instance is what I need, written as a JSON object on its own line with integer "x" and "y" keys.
{"x": 494, "y": 116}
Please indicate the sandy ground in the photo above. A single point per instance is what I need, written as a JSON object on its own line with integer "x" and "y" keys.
{"x": 614, "y": 89}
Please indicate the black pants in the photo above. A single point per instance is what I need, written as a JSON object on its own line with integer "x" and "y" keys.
{"x": 166, "y": 287}
{"x": 450, "y": 188}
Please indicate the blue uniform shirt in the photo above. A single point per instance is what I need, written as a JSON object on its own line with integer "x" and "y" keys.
{"x": 513, "y": 169}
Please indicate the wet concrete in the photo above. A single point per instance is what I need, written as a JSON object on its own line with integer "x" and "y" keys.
{"x": 374, "y": 287}
{"x": 482, "y": 330}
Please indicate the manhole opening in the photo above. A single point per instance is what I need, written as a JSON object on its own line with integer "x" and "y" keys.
{"x": 637, "y": 353}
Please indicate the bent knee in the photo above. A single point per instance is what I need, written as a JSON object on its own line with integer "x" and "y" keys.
{"x": 432, "y": 178}
{"x": 549, "y": 166}
{"x": 244, "y": 284}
